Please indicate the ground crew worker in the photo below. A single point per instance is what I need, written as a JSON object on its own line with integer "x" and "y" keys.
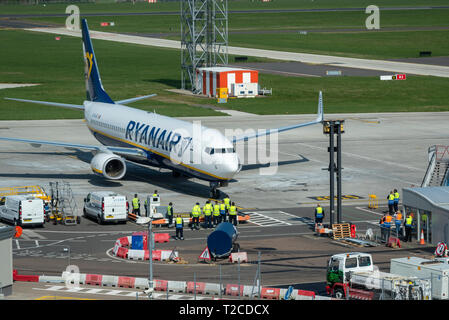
{"x": 216, "y": 213}
{"x": 136, "y": 205}
{"x": 319, "y": 215}
{"x": 155, "y": 194}
{"x": 207, "y": 209}
{"x": 233, "y": 214}
{"x": 145, "y": 204}
{"x": 179, "y": 223}
{"x": 390, "y": 199}
{"x": 398, "y": 222}
{"x": 386, "y": 225}
{"x": 170, "y": 214}
{"x": 396, "y": 200}
{"x": 227, "y": 203}
{"x": 408, "y": 227}
{"x": 222, "y": 212}
{"x": 196, "y": 212}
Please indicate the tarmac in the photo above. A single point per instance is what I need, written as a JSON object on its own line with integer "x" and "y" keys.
{"x": 380, "y": 152}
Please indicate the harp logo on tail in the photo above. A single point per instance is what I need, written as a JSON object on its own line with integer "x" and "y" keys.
{"x": 89, "y": 57}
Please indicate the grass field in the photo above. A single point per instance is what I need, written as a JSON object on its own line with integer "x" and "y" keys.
{"x": 58, "y": 66}
{"x": 131, "y": 70}
{"x": 113, "y": 7}
{"x": 256, "y": 30}
{"x": 371, "y": 45}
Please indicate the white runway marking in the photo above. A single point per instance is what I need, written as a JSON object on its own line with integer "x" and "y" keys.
{"x": 274, "y": 218}
{"x": 31, "y": 235}
{"x": 119, "y": 293}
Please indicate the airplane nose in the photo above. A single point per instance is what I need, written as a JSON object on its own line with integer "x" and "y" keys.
{"x": 232, "y": 167}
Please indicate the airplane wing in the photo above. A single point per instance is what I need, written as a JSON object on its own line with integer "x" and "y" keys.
{"x": 318, "y": 119}
{"x": 136, "y": 152}
{"x": 126, "y": 101}
{"x": 54, "y": 104}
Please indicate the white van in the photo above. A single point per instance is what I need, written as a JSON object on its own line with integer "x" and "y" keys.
{"x": 22, "y": 210}
{"x": 106, "y": 206}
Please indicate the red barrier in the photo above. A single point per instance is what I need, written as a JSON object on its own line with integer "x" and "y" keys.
{"x": 306, "y": 293}
{"x": 94, "y": 279}
{"x": 124, "y": 242}
{"x": 160, "y": 285}
{"x": 233, "y": 290}
{"x": 157, "y": 255}
{"x": 161, "y": 237}
{"x": 353, "y": 230}
{"x": 122, "y": 252}
{"x": 17, "y": 277}
{"x": 270, "y": 293}
{"x": 200, "y": 287}
{"x": 126, "y": 282}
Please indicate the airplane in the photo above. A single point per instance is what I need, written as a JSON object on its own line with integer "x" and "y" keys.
{"x": 148, "y": 138}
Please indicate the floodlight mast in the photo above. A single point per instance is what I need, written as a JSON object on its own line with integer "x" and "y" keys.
{"x": 204, "y": 38}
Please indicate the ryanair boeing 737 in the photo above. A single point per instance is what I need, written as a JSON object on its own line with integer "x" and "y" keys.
{"x": 149, "y": 138}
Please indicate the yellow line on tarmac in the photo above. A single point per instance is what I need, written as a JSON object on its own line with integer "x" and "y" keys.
{"x": 60, "y": 298}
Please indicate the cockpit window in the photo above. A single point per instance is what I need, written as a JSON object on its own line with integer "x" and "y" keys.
{"x": 219, "y": 150}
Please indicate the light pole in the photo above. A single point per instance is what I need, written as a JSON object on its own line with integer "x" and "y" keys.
{"x": 150, "y": 250}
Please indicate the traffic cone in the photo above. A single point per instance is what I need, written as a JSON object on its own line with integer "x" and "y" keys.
{"x": 422, "y": 237}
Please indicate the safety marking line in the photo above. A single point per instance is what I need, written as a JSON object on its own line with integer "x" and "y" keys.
{"x": 29, "y": 234}
{"x": 17, "y": 244}
{"x": 119, "y": 293}
{"x": 60, "y": 298}
{"x": 275, "y": 218}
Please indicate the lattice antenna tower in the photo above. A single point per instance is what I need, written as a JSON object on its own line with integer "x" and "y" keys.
{"x": 204, "y": 38}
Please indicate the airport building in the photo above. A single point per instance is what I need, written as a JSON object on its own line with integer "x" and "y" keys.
{"x": 238, "y": 82}
{"x": 430, "y": 209}
{"x": 6, "y": 235}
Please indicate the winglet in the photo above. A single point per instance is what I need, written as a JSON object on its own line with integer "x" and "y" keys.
{"x": 320, "y": 114}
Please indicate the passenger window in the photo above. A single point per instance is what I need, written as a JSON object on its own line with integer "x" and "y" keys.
{"x": 364, "y": 261}
{"x": 351, "y": 263}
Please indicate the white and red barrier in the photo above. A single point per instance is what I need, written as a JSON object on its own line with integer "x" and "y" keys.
{"x": 189, "y": 287}
{"x": 122, "y": 249}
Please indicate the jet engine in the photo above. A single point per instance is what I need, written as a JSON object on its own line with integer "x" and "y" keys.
{"x": 109, "y": 165}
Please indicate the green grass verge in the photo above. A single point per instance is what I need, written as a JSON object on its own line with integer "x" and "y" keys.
{"x": 114, "y": 7}
{"x": 130, "y": 70}
{"x": 371, "y": 45}
{"x": 127, "y": 71}
{"x": 271, "y": 21}
{"x": 293, "y": 95}
{"x": 394, "y": 44}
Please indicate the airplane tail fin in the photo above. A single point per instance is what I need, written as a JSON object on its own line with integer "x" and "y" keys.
{"x": 94, "y": 87}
